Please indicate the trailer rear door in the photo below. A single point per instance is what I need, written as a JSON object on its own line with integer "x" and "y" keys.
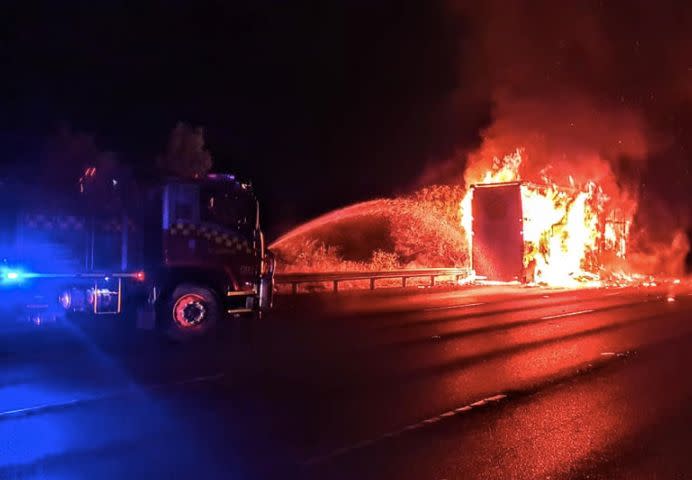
{"x": 498, "y": 243}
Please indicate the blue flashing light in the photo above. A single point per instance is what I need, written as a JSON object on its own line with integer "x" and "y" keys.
{"x": 13, "y": 276}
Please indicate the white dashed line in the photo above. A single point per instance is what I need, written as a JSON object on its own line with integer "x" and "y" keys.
{"x": 496, "y": 398}
{"x": 409, "y": 428}
{"x": 36, "y": 408}
{"x": 452, "y": 307}
{"x": 428, "y": 421}
{"x": 570, "y": 314}
{"x": 105, "y": 396}
{"x": 432, "y": 420}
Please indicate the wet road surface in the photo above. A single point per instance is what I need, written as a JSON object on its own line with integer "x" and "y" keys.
{"x": 474, "y": 382}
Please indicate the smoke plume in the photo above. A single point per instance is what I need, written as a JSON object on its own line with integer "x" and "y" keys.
{"x": 590, "y": 90}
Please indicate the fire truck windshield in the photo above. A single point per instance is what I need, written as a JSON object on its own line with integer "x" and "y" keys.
{"x": 229, "y": 208}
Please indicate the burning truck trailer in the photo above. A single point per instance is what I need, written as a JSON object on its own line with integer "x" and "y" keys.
{"x": 541, "y": 234}
{"x": 181, "y": 254}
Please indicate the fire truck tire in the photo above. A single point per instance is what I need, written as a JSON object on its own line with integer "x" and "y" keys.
{"x": 191, "y": 312}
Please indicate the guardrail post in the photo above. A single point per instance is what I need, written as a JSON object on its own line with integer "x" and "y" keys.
{"x": 372, "y": 283}
{"x": 403, "y": 281}
{"x": 336, "y": 286}
{"x": 294, "y": 286}
{"x": 432, "y": 280}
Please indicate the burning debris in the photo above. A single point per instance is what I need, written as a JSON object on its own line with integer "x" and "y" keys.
{"x": 542, "y": 233}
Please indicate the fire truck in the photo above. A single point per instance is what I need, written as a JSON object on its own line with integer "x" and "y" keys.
{"x": 178, "y": 255}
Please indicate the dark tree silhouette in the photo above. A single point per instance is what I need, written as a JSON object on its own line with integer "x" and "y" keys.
{"x": 65, "y": 157}
{"x": 185, "y": 155}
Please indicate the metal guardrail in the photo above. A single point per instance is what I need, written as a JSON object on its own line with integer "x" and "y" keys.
{"x": 295, "y": 279}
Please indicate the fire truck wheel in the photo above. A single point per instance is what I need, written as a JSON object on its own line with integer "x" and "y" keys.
{"x": 191, "y": 312}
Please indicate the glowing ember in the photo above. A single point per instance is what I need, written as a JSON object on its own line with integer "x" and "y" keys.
{"x": 568, "y": 232}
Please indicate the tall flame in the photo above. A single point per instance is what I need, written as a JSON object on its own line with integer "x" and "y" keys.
{"x": 565, "y": 228}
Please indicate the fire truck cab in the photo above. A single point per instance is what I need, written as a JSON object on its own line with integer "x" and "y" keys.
{"x": 179, "y": 255}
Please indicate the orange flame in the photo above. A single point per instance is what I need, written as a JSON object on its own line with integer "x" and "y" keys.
{"x": 568, "y": 231}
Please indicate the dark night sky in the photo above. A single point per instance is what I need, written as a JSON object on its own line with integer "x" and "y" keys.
{"x": 321, "y": 103}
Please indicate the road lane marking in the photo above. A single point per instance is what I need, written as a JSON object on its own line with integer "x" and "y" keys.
{"x": 569, "y": 314}
{"x": 496, "y": 398}
{"x": 452, "y": 307}
{"x": 105, "y": 396}
{"x": 409, "y": 428}
{"x": 434, "y": 420}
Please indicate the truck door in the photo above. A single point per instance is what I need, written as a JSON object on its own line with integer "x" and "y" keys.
{"x": 498, "y": 243}
{"x": 180, "y": 207}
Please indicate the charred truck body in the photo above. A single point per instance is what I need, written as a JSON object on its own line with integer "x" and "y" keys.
{"x": 180, "y": 255}
{"x": 501, "y": 252}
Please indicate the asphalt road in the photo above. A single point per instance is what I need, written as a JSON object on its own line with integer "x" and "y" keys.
{"x": 441, "y": 383}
